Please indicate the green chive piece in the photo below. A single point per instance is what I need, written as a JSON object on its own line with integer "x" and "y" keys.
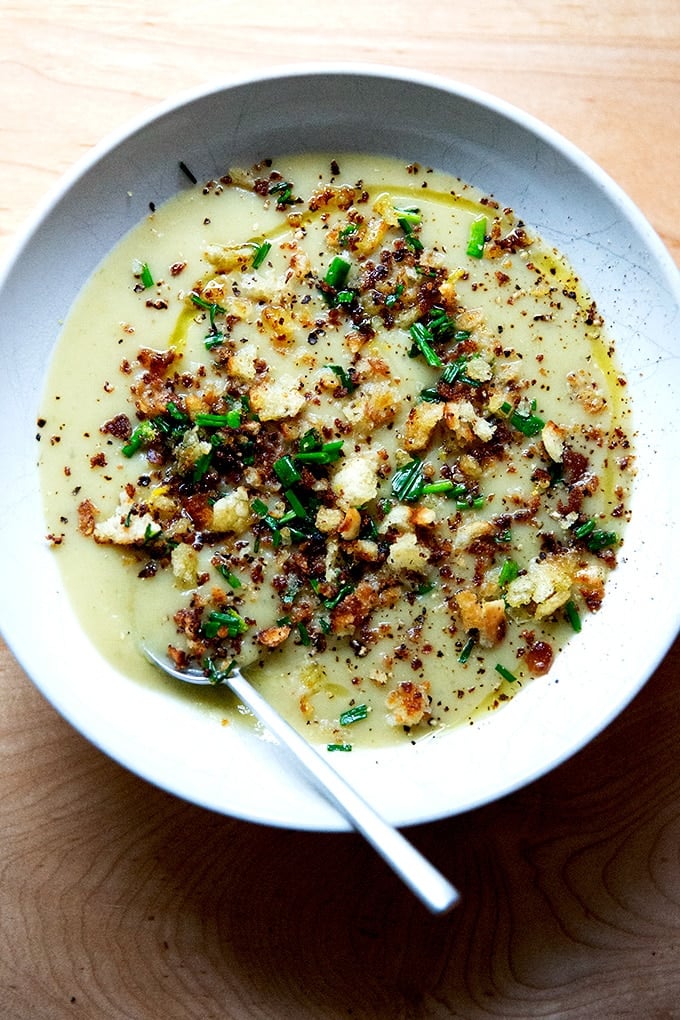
{"x": 260, "y": 254}
{"x": 201, "y": 466}
{"x": 214, "y": 674}
{"x": 235, "y": 624}
{"x": 146, "y": 276}
{"x": 477, "y": 237}
{"x": 392, "y": 298}
{"x": 295, "y": 503}
{"x": 409, "y": 215}
{"x": 467, "y": 649}
{"x": 505, "y": 673}
{"x": 407, "y": 220}
{"x": 343, "y": 375}
{"x": 283, "y": 191}
{"x": 584, "y": 529}
{"x": 573, "y": 616}
{"x": 528, "y": 424}
{"x": 144, "y": 433}
{"x": 337, "y": 272}
{"x": 445, "y": 485}
{"x": 423, "y": 338}
{"x": 174, "y": 412}
{"x": 213, "y": 340}
{"x": 328, "y": 453}
{"x": 599, "y": 539}
{"x": 304, "y": 635}
{"x": 354, "y": 714}
{"x": 285, "y": 471}
{"x": 408, "y": 481}
{"x": 338, "y": 747}
{"x": 209, "y": 306}
{"x": 346, "y": 233}
{"x": 311, "y": 440}
{"x": 509, "y": 572}
{"x": 345, "y": 590}
{"x": 232, "y": 580}
{"x": 150, "y": 534}
{"x": 232, "y": 419}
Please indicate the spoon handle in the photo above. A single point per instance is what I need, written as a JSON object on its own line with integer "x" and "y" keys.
{"x": 428, "y": 884}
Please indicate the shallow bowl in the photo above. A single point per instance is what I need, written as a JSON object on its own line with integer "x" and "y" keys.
{"x": 561, "y": 194}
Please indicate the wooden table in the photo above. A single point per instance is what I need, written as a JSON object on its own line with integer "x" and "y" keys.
{"x": 119, "y": 901}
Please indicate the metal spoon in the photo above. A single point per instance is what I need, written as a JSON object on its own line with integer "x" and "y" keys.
{"x": 428, "y": 884}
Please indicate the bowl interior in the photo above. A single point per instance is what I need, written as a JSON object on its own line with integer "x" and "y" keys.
{"x": 559, "y": 193}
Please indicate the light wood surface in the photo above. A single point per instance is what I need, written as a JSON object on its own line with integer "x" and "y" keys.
{"x": 119, "y": 901}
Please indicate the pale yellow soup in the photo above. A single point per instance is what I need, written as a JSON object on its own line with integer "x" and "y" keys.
{"x": 467, "y": 500}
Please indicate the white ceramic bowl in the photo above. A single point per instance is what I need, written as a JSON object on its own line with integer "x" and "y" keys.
{"x": 559, "y": 192}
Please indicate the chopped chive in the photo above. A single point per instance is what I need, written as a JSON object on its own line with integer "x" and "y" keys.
{"x": 434, "y": 488}
{"x": 232, "y": 419}
{"x": 201, "y": 466}
{"x": 392, "y": 298}
{"x": 214, "y": 674}
{"x": 584, "y": 529}
{"x": 285, "y": 471}
{"x": 150, "y": 534}
{"x": 213, "y": 340}
{"x": 337, "y": 272}
{"x": 311, "y": 440}
{"x": 467, "y": 649}
{"x": 423, "y": 338}
{"x": 344, "y": 591}
{"x": 407, "y": 222}
{"x": 573, "y": 616}
{"x": 477, "y": 237}
{"x": 259, "y": 507}
{"x": 408, "y": 481}
{"x": 599, "y": 539}
{"x": 343, "y": 375}
{"x": 295, "y": 503}
{"x": 260, "y": 253}
{"x": 409, "y": 215}
{"x": 442, "y": 326}
{"x": 354, "y": 714}
{"x": 346, "y": 233}
{"x": 146, "y": 276}
{"x": 528, "y": 424}
{"x": 505, "y": 673}
{"x": 304, "y": 635}
{"x": 262, "y": 511}
{"x": 144, "y": 433}
{"x": 174, "y": 412}
{"x": 209, "y": 306}
{"x": 509, "y": 572}
{"x": 327, "y": 454}
{"x": 230, "y": 619}
{"x": 283, "y": 191}
{"x": 338, "y": 747}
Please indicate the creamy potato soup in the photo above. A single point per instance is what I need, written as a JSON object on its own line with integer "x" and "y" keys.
{"x": 349, "y": 424}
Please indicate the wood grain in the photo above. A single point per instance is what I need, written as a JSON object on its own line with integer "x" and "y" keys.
{"x": 119, "y": 901}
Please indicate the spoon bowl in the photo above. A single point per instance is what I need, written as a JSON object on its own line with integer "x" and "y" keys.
{"x": 428, "y": 884}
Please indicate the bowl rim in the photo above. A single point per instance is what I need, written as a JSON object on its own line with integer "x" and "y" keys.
{"x": 499, "y": 107}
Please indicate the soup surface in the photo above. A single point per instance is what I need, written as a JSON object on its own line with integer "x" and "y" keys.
{"x": 348, "y": 423}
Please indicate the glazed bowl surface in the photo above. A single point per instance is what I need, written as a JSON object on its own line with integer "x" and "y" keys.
{"x": 559, "y": 193}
